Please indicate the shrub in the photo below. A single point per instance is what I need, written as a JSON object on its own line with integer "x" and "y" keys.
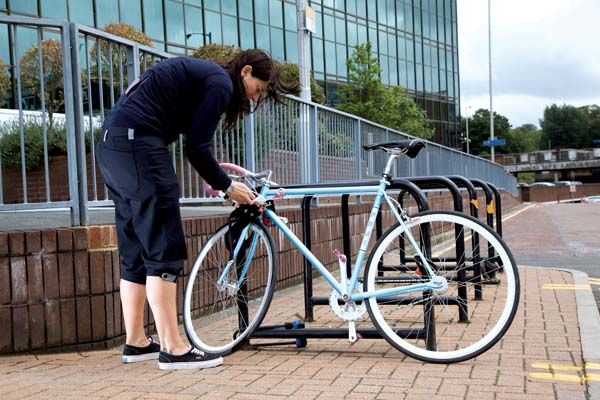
{"x": 33, "y": 135}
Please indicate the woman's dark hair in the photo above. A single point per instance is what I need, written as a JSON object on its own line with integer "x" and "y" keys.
{"x": 263, "y": 68}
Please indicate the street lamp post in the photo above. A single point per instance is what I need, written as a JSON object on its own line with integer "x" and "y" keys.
{"x": 209, "y": 35}
{"x": 468, "y": 140}
{"x": 490, "y": 64}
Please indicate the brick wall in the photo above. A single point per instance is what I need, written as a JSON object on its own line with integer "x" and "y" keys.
{"x": 60, "y": 287}
{"x": 555, "y": 193}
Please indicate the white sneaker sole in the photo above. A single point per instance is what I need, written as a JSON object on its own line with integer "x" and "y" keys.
{"x": 138, "y": 358}
{"x": 191, "y": 365}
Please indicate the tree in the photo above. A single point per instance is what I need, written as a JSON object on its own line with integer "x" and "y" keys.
{"x": 523, "y": 139}
{"x": 110, "y": 53}
{"x": 565, "y": 126}
{"x": 53, "y": 74}
{"x": 479, "y": 131}
{"x": 4, "y": 81}
{"x": 365, "y": 96}
{"x": 592, "y": 113}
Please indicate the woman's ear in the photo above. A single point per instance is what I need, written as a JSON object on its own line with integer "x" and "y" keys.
{"x": 246, "y": 70}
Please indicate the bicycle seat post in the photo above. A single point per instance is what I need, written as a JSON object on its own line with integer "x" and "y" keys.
{"x": 388, "y": 168}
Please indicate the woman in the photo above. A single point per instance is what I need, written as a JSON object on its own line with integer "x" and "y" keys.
{"x": 178, "y": 95}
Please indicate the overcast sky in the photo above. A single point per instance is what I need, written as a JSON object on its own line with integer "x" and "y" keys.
{"x": 543, "y": 52}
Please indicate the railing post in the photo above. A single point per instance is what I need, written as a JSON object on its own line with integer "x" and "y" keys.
{"x": 80, "y": 150}
{"x": 314, "y": 143}
{"x": 304, "y": 157}
{"x": 250, "y": 142}
{"x": 78, "y": 204}
{"x": 357, "y": 146}
{"x": 133, "y": 63}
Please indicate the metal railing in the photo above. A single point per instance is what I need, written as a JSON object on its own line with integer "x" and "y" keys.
{"x": 301, "y": 141}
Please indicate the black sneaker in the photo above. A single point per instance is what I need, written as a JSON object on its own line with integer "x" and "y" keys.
{"x": 133, "y": 354}
{"x": 193, "y": 359}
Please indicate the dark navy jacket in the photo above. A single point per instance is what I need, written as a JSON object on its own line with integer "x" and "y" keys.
{"x": 179, "y": 95}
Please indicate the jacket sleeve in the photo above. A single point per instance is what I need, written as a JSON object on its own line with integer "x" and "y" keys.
{"x": 217, "y": 93}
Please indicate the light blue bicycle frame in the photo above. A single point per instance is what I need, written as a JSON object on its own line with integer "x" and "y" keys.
{"x": 380, "y": 192}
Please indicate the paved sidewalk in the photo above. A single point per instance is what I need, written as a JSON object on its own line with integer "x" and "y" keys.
{"x": 539, "y": 358}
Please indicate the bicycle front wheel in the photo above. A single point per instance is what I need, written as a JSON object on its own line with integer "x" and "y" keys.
{"x": 471, "y": 315}
{"x": 224, "y": 302}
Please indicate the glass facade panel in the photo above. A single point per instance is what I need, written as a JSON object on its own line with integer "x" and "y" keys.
{"x": 276, "y": 13}
{"x": 214, "y": 5}
{"x": 213, "y": 25}
{"x": 341, "y": 60}
{"x": 106, "y": 12}
{"x": 329, "y": 27}
{"x": 246, "y": 34}
{"x": 277, "y": 44}
{"x": 245, "y": 9}
{"x": 229, "y": 6}
{"x": 352, "y": 35}
{"x": 52, "y": 9}
{"x": 154, "y": 19}
{"x": 230, "y": 30}
{"x": 340, "y": 30}
{"x": 131, "y": 12}
{"x": 372, "y": 10}
{"x": 193, "y": 26}
{"x": 24, "y": 6}
{"x": 4, "y": 50}
{"x": 411, "y": 76}
{"x": 81, "y": 11}
{"x": 262, "y": 37}
{"x": 261, "y": 11}
{"x": 291, "y": 47}
{"x": 291, "y": 22}
{"x": 317, "y": 55}
{"x": 174, "y": 17}
{"x": 330, "y": 61}
{"x": 361, "y": 8}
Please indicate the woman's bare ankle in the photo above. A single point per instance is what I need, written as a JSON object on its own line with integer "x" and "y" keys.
{"x": 177, "y": 350}
{"x": 142, "y": 341}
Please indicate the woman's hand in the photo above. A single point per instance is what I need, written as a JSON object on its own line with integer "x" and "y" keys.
{"x": 240, "y": 193}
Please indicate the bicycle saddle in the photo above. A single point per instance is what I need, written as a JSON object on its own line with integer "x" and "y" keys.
{"x": 409, "y": 147}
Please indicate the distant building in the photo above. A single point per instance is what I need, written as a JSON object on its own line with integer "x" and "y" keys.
{"x": 415, "y": 40}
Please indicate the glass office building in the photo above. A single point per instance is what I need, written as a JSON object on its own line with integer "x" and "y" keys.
{"x": 414, "y": 40}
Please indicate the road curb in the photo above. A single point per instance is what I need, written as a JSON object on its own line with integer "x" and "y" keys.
{"x": 589, "y": 325}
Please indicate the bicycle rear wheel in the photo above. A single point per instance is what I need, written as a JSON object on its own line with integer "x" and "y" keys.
{"x": 468, "y": 318}
{"x": 219, "y": 316}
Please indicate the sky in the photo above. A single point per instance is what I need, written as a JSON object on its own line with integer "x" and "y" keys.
{"x": 543, "y": 52}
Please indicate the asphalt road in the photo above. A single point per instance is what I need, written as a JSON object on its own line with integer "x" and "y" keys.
{"x": 557, "y": 236}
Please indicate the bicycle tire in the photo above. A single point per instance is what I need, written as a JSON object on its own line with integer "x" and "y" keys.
{"x": 402, "y": 319}
{"x": 216, "y": 330}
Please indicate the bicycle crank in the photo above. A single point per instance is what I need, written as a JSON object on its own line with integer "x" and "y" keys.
{"x": 348, "y": 311}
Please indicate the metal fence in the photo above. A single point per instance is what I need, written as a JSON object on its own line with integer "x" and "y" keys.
{"x": 301, "y": 141}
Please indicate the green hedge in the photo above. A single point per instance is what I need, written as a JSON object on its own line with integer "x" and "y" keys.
{"x": 10, "y": 142}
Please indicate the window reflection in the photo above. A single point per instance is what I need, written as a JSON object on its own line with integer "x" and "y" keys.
{"x": 56, "y": 9}
{"x": 153, "y": 19}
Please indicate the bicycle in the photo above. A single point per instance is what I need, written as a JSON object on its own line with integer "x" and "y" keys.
{"x": 422, "y": 297}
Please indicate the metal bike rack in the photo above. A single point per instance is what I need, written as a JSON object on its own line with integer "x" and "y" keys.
{"x": 461, "y": 181}
{"x": 298, "y": 332}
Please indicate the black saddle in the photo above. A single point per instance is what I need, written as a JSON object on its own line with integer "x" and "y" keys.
{"x": 409, "y": 147}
